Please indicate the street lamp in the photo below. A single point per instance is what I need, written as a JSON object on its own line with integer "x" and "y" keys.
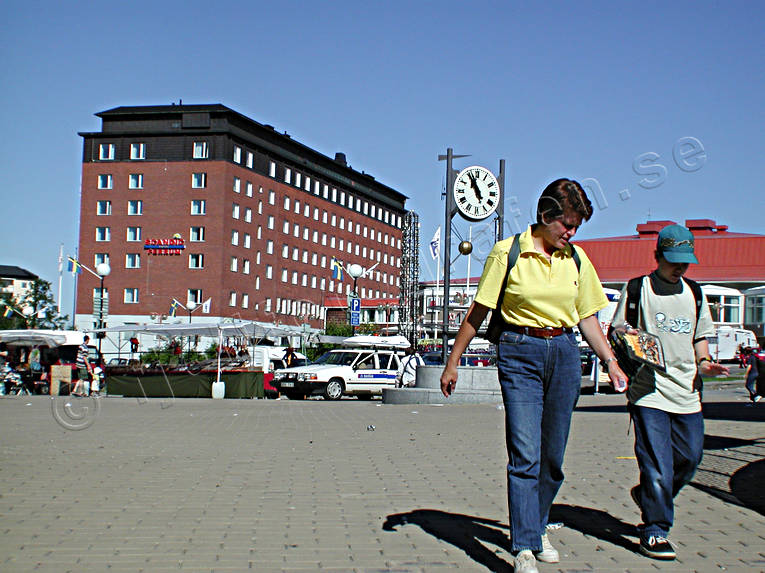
{"x": 356, "y": 271}
{"x": 102, "y": 270}
{"x": 28, "y": 311}
{"x": 191, "y": 306}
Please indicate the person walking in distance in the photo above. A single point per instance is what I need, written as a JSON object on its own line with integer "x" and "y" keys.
{"x": 84, "y": 369}
{"x": 543, "y": 286}
{"x": 665, "y": 406}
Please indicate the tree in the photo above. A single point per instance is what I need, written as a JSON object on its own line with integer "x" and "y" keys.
{"x": 40, "y": 299}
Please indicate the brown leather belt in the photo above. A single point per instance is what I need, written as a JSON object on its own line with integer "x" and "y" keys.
{"x": 547, "y": 332}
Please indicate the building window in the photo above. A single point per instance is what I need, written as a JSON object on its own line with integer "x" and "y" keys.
{"x": 294, "y": 277}
{"x": 105, "y": 181}
{"x": 296, "y": 230}
{"x": 257, "y": 285}
{"x": 194, "y": 295}
{"x": 286, "y": 227}
{"x": 269, "y": 272}
{"x": 272, "y": 169}
{"x": 247, "y": 215}
{"x": 285, "y": 251}
{"x": 137, "y": 151}
{"x": 237, "y": 185}
{"x": 235, "y": 211}
{"x": 284, "y": 275}
{"x": 287, "y": 174}
{"x": 197, "y": 234}
{"x": 235, "y": 238}
{"x": 135, "y": 181}
{"x": 297, "y": 179}
{"x": 133, "y": 261}
{"x": 295, "y": 253}
{"x": 234, "y": 266}
{"x": 271, "y": 198}
{"x": 268, "y": 305}
{"x": 133, "y": 234}
{"x": 135, "y": 207}
{"x": 100, "y": 258}
{"x": 103, "y": 234}
{"x": 131, "y": 296}
{"x": 199, "y": 180}
{"x": 201, "y": 151}
{"x": 245, "y": 300}
{"x": 106, "y": 152}
{"x": 259, "y": 234}
{"x": 286, "y": 203}
{"x": 250, "y": 160}
{"x": 270, "y": 224}
{"x": 249, "y": 188}
{"x": 237, "y": 154}
{"x": 198, "y": 207}
{"x": 246, "y": 241}
{"x": 246, "y": 267}
{"x": 269, "y": 247}
{"x": 196, "y": 261}
{"x": 104, "y": 208}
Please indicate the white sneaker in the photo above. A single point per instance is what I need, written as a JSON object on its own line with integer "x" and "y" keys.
{"x": 548, "y": 554}
{"x": 525, "y": 562}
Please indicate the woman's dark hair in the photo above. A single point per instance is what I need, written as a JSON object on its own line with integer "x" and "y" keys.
{"x": 562, "y": 196}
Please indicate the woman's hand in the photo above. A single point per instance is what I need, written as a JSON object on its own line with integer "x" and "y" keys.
{"x": 448, "y": 380}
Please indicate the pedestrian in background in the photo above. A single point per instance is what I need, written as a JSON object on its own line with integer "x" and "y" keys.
{"x": 665, "y": 406}
{"x": 407, "y": 371}
{"x": 752, "y": 374}
{"x": 84, "y": 369}
{"x": 549, "y": 289}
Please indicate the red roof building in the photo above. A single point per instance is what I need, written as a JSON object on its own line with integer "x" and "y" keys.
{"x": 736, "y": 260}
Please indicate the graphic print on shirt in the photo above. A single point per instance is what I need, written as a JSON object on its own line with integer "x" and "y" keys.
{"x": 679, "y": 325}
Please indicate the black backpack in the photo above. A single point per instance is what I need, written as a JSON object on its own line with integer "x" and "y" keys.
{"x": 496, "y": 322}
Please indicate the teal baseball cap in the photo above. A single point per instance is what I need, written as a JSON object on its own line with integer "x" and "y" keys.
{"x": 675, "y": 243}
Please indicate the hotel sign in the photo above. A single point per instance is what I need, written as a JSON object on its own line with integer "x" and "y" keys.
{"x": 173, "y": 246}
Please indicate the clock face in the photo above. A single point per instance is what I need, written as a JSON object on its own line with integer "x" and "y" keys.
{"x": 476, "y": 193}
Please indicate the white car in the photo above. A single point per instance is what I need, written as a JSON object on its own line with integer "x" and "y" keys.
{"x": 361, "y": 372}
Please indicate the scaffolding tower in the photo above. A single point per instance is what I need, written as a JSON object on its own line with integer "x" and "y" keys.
{"x": 408, "y": 313}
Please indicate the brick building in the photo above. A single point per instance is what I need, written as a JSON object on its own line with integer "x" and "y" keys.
{"x": 198, "y": 203}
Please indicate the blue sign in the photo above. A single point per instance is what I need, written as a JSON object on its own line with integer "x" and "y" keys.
{"x": 356, "y": 305}
{"x": 355, "y": 318}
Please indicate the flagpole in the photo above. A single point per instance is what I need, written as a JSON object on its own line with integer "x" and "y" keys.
{"x": 74, "y": 296}
{"x": 467, "y": 282}
{"x": 60, "y": 276}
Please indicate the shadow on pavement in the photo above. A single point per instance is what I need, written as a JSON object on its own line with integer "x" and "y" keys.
{"x": 466, "y": 532}
{"x": 736, "y": 411}
{"x": 733, "y": 470}
{"x": 596, "y": 523}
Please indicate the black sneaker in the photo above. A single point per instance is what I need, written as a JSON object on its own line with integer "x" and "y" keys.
{"x": 657, "y": 547}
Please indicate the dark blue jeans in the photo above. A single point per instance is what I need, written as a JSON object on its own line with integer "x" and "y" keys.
{"x": 540, "y": 380}
{"x": 668, "y": 448}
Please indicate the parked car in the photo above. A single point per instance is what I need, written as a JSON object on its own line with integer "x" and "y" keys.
{"x": 361, "y": 372}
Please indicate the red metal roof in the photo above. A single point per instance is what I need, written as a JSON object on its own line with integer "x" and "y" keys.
{"x": 335, "y": 301}
{"x": 723, "y": 256}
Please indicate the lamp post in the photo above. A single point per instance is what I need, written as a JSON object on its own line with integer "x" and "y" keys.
{"x": 356, "y": 271}
{"x": 28, "y": 312}
{"x": 102, "y": 270}
{"x": 191, "y": 306}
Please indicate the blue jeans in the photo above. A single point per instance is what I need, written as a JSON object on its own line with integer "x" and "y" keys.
{"x": 540, "y": 380}
{"x": 668, "y": 448}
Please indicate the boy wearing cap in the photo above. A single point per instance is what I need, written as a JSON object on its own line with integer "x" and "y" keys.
{"x": 665, "y": 407}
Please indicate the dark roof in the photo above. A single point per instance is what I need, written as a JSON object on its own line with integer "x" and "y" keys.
{"x": 11, "y": 272}
{"x": 138, "y": 109}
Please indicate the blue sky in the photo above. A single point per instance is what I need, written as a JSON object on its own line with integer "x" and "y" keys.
{"x": 582, "y": 90}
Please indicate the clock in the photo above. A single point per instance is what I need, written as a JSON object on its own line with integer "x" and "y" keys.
{"x": 476, "y": 193}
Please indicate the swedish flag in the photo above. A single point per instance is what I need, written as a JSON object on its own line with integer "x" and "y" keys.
{"x": 337, "y": 269}
{"x": 174, "y": 307}
{"x": 8, "y": 312}
{"x": 74, "y": 266}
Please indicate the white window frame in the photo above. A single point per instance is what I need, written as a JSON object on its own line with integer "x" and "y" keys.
{"x": 197, "y": 234}
{"x": 135, "y": 233}
{"x": 237, "y": 154}
{"x": 135, "y": 207}
{"x": 103, "y": 234}
{"x": 201, "y": 150}
{"x": 199, "y": 180}
{"x": 106, "y": 151}
{"x": 196, "y": 260}
{"x": 105, "y": 181}
{"x": 106, "y": 210}
{"x": 135, "y": 181}
{"x": 133, "y": 260}
{"x": 137, "y": 151}
{"x": 198, "y": 207}
{"x": 130, "y": 295}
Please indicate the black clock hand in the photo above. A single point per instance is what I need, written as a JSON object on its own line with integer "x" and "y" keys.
{"x": 474, "y": 183}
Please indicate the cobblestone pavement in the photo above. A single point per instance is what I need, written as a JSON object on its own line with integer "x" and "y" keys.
{"x": 277, "y": 485}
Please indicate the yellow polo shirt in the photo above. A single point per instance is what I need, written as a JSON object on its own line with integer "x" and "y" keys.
{"x": 541, "y": 292}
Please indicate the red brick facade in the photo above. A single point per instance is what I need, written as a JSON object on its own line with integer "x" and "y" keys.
{"x": 166, "y": 207}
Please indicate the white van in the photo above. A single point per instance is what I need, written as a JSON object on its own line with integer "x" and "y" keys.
{"x": 723, "y": 346}
{"x": 269, "y": 359}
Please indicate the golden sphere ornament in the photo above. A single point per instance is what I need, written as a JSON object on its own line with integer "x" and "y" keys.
{"x": 466, "y": 247}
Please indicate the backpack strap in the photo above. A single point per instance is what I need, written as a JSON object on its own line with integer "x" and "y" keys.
{"x": 698, "y": 298}
{"x": 632, "y": 308}
{"x": 512, "y": 258}
{"x": 576, "y": 258}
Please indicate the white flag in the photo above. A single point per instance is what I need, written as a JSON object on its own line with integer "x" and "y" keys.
{"x": 206, "y": 306}
{"x": 435, "y": 244}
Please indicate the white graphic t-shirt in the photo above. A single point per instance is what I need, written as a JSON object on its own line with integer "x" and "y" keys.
{"x": 672, "y": 318}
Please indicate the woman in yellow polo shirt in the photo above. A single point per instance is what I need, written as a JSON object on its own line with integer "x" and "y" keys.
{"x": 545, "y": 296}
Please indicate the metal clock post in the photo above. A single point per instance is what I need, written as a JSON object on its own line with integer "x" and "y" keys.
{"x": 474, "y": 185}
